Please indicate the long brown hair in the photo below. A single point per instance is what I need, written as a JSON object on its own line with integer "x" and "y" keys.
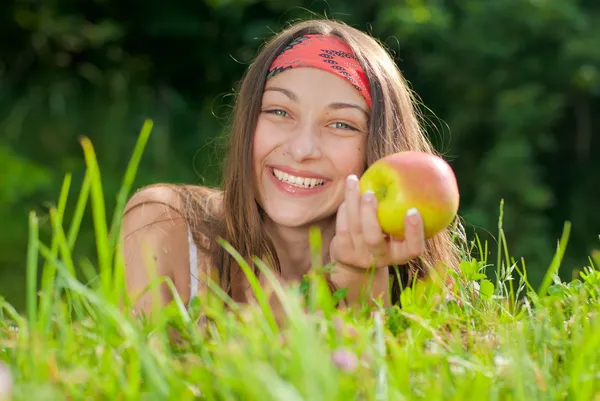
{"x": 394, "y": 127}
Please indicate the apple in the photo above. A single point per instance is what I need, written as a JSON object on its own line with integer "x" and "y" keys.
{"x": 411, "y": 179}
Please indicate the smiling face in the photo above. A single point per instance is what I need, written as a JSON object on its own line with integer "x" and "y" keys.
{"x": 310, "y": 136}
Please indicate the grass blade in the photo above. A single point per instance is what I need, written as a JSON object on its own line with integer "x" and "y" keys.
{"x": 99, "y": 215}
{"x": 259, "y": 292}
{"x": 556, "y": 260}
{"x": 32, "y": 269}
{"x": 79, "y": 209}
{"x": 48, "y": 271}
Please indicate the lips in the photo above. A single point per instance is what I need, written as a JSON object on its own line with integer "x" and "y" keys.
{"x": 296, "y": 173}
{"x": 297, "y": 182}
{"x": 301, "y": 182}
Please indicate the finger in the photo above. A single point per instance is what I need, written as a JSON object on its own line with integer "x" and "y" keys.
{"x": 397, "y": 251}
{"x": 353, "y": 212}
{"x": 341, "y": 222}
{"x": 342, "y": 243}
{"x": 371, "y": 229}
{"x": 414, "y": 234}
{"x": 413, "y": 245}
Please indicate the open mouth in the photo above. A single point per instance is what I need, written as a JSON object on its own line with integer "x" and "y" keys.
{"x": 300, "y": 182}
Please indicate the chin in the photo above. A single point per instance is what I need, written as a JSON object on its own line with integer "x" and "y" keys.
{"x": 291, "y": 217}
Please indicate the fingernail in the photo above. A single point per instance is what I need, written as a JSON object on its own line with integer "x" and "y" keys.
{"x": 351, "y": 181}
{"x": 413, "y": 216}
{"x": 369, "y": 196}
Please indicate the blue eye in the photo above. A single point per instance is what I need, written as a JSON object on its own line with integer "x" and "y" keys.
{"x": 277, "y": 112}
{"x": 341, "y": 125}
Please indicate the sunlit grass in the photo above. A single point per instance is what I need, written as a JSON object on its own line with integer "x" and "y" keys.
{"x": 79, "y": 340}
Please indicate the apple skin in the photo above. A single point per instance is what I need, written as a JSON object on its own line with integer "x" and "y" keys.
{"x": 411, "y": 179}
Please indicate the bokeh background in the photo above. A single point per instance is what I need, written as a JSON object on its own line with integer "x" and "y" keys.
{"x": 510, "y": 88}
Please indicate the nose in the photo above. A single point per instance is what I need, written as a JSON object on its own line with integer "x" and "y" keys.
{"x": 304, "y": 143}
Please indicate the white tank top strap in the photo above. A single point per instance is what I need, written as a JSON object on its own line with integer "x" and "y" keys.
{"x": 193, "y": 251}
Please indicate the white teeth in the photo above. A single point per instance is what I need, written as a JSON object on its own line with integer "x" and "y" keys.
{"x": 298, "y": 181}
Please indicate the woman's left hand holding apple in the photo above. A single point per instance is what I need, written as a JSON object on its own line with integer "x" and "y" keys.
{"x": 359, "y": 240}
{"x": 360, "y": 244}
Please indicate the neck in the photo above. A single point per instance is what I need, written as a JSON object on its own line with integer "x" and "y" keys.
{"x": 292, "y": 245}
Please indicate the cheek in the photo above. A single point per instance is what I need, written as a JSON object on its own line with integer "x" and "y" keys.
{"x": 349, "y": 158}
{"x": 261, "y": 144}
{"x": 266, "y": 141}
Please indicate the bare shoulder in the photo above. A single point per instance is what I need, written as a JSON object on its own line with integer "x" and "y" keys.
{"x": 154, "y": 238}
{"x": 154, "y": 201}
{"x": 155, "y": 234}
{"x": 157, "y": 213}
{"x": 170, "y": 211}
{"x": 154, "y": 214}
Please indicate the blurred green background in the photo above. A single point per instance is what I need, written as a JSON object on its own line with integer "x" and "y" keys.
{"x": 511, "y": 89}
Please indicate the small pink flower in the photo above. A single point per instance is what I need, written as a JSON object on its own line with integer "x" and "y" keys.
{"x": 345, "y": 360}
{"x": 5, "y": 382}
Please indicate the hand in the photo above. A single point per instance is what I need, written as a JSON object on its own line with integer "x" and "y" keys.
{"x": 359, "y": 240}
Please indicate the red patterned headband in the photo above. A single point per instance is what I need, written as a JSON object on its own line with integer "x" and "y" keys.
{"x": 329, "y": 53}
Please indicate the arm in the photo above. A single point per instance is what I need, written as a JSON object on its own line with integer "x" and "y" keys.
{"x": 363, "y": 285}
{"x": 154, "y": 236}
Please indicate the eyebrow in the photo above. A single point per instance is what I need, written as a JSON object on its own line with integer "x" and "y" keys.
{"x": 286, "y": 92}
{"x": 335, "y": 106}
{"x": 338, "y": 106}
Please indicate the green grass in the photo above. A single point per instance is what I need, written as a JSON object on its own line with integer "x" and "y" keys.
{"x": 512, "y": 342}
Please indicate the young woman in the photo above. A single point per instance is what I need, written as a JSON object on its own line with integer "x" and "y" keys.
{"x": 321, "y": 102}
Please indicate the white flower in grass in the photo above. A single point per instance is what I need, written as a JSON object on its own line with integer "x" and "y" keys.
{"x": 501, "y": 363}
{"x": 456, "y": 366}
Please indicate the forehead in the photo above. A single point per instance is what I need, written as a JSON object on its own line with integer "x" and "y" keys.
{"x": 310, "y": 82}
